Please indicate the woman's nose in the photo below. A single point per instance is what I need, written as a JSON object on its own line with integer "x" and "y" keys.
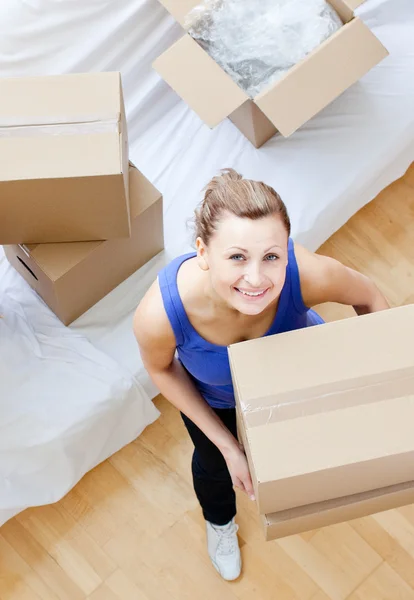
{"x": 253, "y": 276}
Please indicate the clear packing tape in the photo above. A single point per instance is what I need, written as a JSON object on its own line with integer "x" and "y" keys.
{"x": 58, "y": 125}
{"x": 257, "y": 41}
{"x": 313, "y": 401}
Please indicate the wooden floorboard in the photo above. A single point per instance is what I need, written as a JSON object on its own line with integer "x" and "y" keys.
{"x": 132, "y": 529}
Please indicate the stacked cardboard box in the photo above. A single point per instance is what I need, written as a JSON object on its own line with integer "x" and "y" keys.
{"x": 285, "y": 105}
{"x": 325, "y": 416}
{"x": 76, "y": 217}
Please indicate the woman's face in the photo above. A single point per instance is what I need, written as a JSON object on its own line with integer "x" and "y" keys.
{"x": 246, "y": 260}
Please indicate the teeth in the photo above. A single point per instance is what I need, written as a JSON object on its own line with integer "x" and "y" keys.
{"x": 252, "y": 293}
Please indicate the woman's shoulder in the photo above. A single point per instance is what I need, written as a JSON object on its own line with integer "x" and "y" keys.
{"x": 151, "y": 322}
{"x": 172, "y": 268}
{"x": 320, "y": 276}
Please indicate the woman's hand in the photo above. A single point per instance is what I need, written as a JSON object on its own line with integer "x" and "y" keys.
{"x": 239, "y": 470}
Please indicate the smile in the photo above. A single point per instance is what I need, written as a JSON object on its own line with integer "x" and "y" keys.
{"x": 256, "y": 294}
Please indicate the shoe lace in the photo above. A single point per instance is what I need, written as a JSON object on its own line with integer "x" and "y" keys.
{"x": 228, "y": 542}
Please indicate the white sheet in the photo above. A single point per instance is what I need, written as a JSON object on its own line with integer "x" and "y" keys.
{"x": 64, "y": 405}
{"x": 325, "y": 172}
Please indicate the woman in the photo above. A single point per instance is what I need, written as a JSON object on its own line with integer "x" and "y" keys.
{"x": 226, "y": 292}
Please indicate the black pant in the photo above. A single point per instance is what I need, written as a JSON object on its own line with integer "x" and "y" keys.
{"x": 211, "y": 477}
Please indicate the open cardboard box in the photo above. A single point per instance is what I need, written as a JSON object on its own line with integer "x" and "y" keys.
{"x": 326, "y": 412}
{"x": 72, "y": 277}
{"x": 287, "y": 104}
{"x": 63, "y": 159}
{"x": 338, "y": 510}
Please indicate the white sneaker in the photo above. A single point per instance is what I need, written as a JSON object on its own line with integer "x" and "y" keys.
{"x": 223, "y": 549}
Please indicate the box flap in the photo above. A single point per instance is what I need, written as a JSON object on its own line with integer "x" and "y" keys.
{"x": 59, "y": 98}
{"x": 199, "y": 80}
{"x": 322, "y": 76}
{"x": 142, "y": 194}
{"x": 179, "y": 9}
{"x": 353, "y": 4}
{"x": 343, "y": 355}
{"x": 57, "y": 259}
{"x": 343, "y": 9}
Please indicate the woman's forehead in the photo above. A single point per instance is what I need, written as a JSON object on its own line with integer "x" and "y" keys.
{"x": 242, "y": 232}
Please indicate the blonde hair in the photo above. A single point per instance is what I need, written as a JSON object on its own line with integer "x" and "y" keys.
{"x": 245, "y": 198}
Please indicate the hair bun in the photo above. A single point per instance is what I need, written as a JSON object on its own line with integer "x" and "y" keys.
{"x": 221, "y": 180}
{"x": 245, "y": 198}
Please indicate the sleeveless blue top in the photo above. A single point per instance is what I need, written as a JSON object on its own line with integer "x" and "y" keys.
{"x": 208, "y": 364}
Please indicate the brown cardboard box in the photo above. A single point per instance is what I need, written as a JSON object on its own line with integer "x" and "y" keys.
{"x": 72, "y": 277}
{"x": 353, "y": 4}
{"x": 307, "y": 518}
{"x": 323, "y": 411}
{"x": 63, "y": 159}
{"x": 286, "y": 105}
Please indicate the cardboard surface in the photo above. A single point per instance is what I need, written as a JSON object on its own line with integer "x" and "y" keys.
{"x": 333, "y": 454}
{"x": 343, "y": 9}
{"x": 353, "y": 4}
{"x": 338, "y": 510}
{"x": 63, "y": 139}
{"x": 179, "y": 9}
{"x": 196, "y": 77}
{"x": 329, "y": 366}
{"x": 72, "y": 277}
{"x": 322, "y": 76}
{"x": 71, "y": 98}
{"x": 306, "y": 89}
{"x": 329, "y": 410}
{"x": 253, "y": 124}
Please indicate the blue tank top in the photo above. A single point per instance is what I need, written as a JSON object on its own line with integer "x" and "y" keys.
{"x": 208, "y": 364}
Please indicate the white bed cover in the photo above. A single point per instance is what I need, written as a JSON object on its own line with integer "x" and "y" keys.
{"x": 70, "y": 397}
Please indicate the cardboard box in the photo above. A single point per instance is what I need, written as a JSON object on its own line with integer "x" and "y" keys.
{"x": 315, "y": 516}
{"x": 287, "y": 104}
{"x": 63, "y": 159}
{"x": 353, "y": 4}
{"x": 323, "y": 411}
{"x": 72, "y": 277}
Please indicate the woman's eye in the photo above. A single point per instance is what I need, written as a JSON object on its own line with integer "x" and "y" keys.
{"x": 271, "y": 257}
{"x": 237, "y": 257}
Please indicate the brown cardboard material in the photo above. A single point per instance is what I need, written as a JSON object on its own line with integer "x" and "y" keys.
{"x": 64, "y": 159}
{"x": 198, "y": 79}
{"x": 353, "y": 4}
{"x": 179, "y": 9}
{"x": 305, "y": 394}
{"x": 72, "y": 277}
{"x": 335, "y": 365}
{"x": 333, "y": 454}
{"x": 323, "y": 514}
{"x": 286, "y": 105}
{"x": 348, "y": 46}
{"x": 253, "y": 124}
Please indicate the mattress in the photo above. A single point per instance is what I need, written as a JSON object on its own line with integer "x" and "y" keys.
{"x": 70, "y": 397}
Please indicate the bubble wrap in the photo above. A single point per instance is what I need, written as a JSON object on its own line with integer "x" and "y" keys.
{"x": 257, "y": 41}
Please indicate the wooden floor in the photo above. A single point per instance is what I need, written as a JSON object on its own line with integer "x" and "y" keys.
{"x": 132, "y": 530}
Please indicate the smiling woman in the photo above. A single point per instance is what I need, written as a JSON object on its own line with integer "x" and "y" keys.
{"x": 247, "y": 279}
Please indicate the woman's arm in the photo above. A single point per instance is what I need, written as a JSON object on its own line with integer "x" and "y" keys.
{"x": 157, "y": 346}
{"x": 324, "y": 279}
